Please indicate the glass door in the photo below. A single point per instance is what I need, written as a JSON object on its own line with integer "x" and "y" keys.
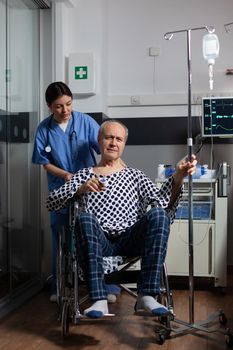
{"x": 19, "y": 190}
{"x": 4, "y": 244}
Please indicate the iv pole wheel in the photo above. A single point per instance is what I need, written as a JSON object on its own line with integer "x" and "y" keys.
{"x": 162, "y": 336}
{"x": 162, "y": 339}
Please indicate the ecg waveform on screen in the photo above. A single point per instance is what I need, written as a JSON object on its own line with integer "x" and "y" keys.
{"x": 220, "y": 127}
{"x": 218, "y": 117}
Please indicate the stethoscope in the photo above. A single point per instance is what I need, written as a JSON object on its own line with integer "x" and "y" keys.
{"x": 72, "y": 137}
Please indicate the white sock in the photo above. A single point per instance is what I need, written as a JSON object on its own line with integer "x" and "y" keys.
{"x": 148, "y": 303}
{"x": 98, "y": 309}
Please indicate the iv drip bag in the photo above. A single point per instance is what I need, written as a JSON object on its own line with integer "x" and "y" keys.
{"x": 210, "y": 47}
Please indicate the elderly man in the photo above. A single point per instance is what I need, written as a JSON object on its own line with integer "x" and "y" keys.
{"x": 114, "y": 219}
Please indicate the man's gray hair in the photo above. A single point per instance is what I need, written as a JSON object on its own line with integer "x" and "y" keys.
{"x": 108, "y": 121}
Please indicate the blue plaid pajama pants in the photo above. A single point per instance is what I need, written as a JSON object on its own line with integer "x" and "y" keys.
{"x": 147, "y": 238}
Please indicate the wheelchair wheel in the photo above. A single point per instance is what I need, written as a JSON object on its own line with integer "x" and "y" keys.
{"x": 222, "y": 319}
{"x": 59, "y": 277}
{"x": 65, "y": 320}
{"x": 165, "y": 298}
{"x": 229, "y": 340}
{"x": 61, "y": 273}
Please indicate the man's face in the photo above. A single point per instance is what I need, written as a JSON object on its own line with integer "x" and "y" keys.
{"x": 112, "y": 141}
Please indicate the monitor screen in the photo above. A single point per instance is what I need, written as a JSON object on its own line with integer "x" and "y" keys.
{"x": 217, "y": 116}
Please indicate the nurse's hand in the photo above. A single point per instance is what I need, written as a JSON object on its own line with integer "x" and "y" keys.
{"x": 67, "y": 176}
{"x": 91, "y": 185}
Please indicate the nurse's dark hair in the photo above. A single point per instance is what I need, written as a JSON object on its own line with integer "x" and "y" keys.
{"x": 109, "y": 121}
{"x": 56, "y": 90}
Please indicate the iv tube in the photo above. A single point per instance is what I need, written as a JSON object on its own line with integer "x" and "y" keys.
{"x": 210, "y": 47}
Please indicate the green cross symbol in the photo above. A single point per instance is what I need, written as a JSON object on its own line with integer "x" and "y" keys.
{"x": 80, "y": 72}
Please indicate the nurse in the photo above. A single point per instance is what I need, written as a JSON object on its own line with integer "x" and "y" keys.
{"x": 65, "y": 142}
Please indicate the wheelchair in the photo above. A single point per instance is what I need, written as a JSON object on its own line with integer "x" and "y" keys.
{"x": 69, "y": 282}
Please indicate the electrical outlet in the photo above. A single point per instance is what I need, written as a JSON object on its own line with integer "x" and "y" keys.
{"x": 135, "y": 100}
{"x": 154, "y": 51}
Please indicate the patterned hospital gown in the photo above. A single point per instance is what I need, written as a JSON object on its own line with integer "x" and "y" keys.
{"x": 128, "y": 194}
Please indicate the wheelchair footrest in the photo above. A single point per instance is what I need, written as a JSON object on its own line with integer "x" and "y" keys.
{"x": 84, "y": 317}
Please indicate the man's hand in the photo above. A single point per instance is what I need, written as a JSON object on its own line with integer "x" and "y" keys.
{"x": 91, "y": 185}
{"x": 185, "y": 168}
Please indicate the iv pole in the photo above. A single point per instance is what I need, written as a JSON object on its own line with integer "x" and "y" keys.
{"x": 168, "y": 36}
{"x": 222, "y": 318}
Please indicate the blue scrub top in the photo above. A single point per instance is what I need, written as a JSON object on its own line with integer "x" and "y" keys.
{"x": 71, "y": 150}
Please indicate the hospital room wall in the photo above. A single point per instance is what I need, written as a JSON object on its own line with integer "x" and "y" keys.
{"x": 120, "y": 33}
